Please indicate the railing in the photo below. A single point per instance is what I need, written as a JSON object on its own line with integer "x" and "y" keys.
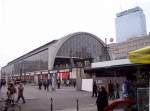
{"x": 143, "y": 99}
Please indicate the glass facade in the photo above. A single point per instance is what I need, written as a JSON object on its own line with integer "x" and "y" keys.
{"x": 84, "y": 46}
{"x": 35, "y": 62}
{"x": 79, "y": 51}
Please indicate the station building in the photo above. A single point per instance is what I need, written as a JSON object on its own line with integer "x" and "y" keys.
{"x": 66, "y": 58}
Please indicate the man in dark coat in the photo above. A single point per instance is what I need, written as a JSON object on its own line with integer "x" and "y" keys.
{"x": 117, "y": 90}
{"x": 58, "y": 83}
{"x": 111, "y": 90}
{"x": 102, "y": 99}
{"x": 45, "y": 84}
{"x": 48, "y": 82}
{"x": 94, "y": 89}
{"x": 40, "y": 84}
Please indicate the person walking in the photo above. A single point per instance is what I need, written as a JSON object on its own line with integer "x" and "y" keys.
{"x": 45, "y": 84}
{"x": 102, "y": 99}
{"x": 74, "y": 83}
{"x": 40, "y": 84}
{"x": 117, "y": 95}
{"x": 0, "y": 84}
{"x": 67, "y": 82}
{"x": 58, "y": 83}
{"x": 11, "y": 90}
{"x": 128, "y": 89}
{"x": 111, "y": 90}
{"x": 94, "y": 89}
{"x": 20, "y": 93}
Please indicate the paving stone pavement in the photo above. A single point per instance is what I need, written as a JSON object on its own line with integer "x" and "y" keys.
{"x": 2, "y": 92}
{"x": 64, "y": 99}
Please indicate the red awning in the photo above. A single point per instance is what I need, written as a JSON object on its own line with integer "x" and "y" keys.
{"x": 64, "y": 75}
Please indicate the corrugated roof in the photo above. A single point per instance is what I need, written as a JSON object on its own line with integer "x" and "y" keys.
{"x": 111, "y": 63}
{"x": 39, "y": 49}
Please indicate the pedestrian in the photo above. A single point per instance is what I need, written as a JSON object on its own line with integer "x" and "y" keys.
{"x": 74, "y": 83}
{"x": 94, "y": 89}
{"x": 128, "y": 89}
{"x": 11, "y": 90}
{"x": 20, "y": 93}
{"x": 40, "y": 84}
{"x": 0, "y": 84}
{"x": 58, "y": 83}
{"x": 117, "y": 90}
{"x": 102, "y": 99}
{"x": 111, "y": 90}
{"x": 45, "y": 84}
{"x": 67, "y": 82}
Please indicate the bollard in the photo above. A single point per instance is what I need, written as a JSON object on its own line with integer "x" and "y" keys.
{"x": 51, "y": 104}
{"x": 19, "y": 107}
{"x": 77, "y": 105}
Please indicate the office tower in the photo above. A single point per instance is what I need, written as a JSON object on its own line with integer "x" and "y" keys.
{"x": 130, "y": 23}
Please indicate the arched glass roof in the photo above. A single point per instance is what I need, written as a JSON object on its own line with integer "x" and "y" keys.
{"x": 80, "y": 45}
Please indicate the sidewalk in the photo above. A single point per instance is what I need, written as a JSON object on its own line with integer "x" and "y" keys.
{"x": 91, "y": 107}
{"x": 64, "y": 99}
{"x": 3, "y": 92}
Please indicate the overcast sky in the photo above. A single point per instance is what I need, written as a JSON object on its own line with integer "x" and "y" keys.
{"x": 28, "y": 24}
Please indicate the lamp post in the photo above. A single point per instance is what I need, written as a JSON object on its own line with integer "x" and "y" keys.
{"x": 24, "y": 71}
{"x": 21, "y": 69}
{"x": 20, "y": 73}
{"x": 53, "y": 79}
{"x": 12, "y": 75}
{"x": 106, "y": 49}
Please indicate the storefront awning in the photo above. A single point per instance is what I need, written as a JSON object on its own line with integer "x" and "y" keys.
{"x": 140, "y": 56}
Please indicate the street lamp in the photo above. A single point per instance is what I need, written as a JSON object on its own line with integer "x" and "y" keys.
{"x": 12, "y": 75}
{"x": 24, "y": 71}
{"x": 106, "y": 49}
{"x": 21, "y": 69}
{"x": 20, "y": 73}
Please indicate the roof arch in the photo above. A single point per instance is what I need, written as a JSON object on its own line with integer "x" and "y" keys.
{"x": 53, "y": 49}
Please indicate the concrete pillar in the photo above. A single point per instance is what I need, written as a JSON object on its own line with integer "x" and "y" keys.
{"x": 36, "y": 79}
{"x": 53, "y": 81}
{"x": 79, "y": 73}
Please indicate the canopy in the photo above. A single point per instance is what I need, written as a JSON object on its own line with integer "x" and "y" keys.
{"x": 140, "y": 56}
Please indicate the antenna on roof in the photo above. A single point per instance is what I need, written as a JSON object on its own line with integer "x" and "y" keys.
{"x": 120, "y": 7}
{"x": 136, "y": 2}
{"x": 105, "y": 40}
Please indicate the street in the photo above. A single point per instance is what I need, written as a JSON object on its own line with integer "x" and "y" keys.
{"x": 64, "y": 99}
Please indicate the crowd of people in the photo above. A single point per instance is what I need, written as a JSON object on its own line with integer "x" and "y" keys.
{"x": 14, "y": 90}
{"x": 59, "y": 82}
{"x": 44, "y": 83}
{"x": 112, "y": 91}
{"x": 104, "y": 93}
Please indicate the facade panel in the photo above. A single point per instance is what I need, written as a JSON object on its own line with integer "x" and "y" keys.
{"x": 120, "y": 50}
{"x": 36, "y": 62}
{"x": 75, "y": 47}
